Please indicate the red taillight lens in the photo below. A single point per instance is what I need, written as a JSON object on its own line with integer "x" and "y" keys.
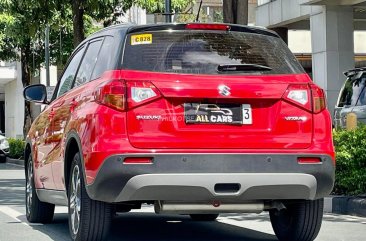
{"x": 203, "y": 26}
{"x": 312, "y": 99}
{"x": 318, "y": 96}
{"x": 138, "y": 160}
{"x": 309, "y": 160}
{"x": 112, "y": 94}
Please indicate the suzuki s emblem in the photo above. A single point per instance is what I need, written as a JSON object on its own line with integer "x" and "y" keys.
{"x": 224, "y": 90}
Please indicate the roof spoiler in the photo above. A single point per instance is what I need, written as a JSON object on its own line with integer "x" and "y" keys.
{"x": 356, "y": 73}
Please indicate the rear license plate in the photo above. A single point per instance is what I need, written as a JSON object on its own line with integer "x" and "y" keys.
{"x": 235, "y": 114}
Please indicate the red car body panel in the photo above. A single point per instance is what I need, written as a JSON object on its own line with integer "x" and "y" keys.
{"x": 104, "y": 131}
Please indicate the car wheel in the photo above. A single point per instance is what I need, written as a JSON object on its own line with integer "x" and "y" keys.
{"x": 204, "y": 217}
{"x": 2, "y": 159}
{"x": 36, "y": 210}
{"x": 88, "y": 219}
{"x": 299, "y": 221}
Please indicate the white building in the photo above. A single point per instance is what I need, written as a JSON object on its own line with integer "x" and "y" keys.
{"x": 332, "y": 25}
{"x": 11, "y": 100}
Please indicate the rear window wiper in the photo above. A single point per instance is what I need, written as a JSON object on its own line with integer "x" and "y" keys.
{"x": 242, "y": 67}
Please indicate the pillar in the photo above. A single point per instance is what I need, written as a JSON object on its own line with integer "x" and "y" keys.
{"x": 332, "y": 48}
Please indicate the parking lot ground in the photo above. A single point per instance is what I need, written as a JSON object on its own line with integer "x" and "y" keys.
{"x": 144, "y": 224}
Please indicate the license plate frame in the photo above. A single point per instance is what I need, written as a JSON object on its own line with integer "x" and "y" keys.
{"x": 227, "y": 114}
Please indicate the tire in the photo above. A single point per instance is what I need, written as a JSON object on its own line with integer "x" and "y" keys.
{"x": 36, "y": 210}
{"x": 299, "y": 221}
{"x": 88, "y": 219}
{"x": 2, "y": 159}
{"x": 204, "y": 217}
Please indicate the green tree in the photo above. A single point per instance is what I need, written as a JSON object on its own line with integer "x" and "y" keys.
{"x": 22, "y": 25}
{"x": 158, "y": 6}
{"x": 107, "y": 11}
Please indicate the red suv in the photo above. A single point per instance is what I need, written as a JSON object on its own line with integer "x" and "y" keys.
{"x": 198, "y": 119}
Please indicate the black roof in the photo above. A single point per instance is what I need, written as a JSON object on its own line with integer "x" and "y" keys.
{"x": 182, "y": 26}
{"x": 132, "y": 28}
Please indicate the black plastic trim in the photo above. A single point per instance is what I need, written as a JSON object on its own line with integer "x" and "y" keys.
{"x": 113, "y": 174}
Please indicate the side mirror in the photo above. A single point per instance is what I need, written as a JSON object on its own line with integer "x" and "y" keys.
{"x": 35, "y": 93}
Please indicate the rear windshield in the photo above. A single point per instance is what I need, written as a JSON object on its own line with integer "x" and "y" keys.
{"x": 353, "y": 93}
{"x": 201, "y": 52}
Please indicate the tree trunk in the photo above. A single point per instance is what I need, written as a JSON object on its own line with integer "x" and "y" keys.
{"x": 25, "y": 57}
{"x": 235, "y": 11}
{"x": 78, "y": 21}
{"x": 241, "y": 12}
{"x": 228, "y": 11}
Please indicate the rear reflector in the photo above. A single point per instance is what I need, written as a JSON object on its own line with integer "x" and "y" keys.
{"x": 203, "y": 26}
{"x": 309, "y": 160}
{"x": 138, "y": 160}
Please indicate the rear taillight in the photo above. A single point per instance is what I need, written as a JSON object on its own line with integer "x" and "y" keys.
{"x": 141, "y": 92}
{"x": 112, "y": 94}
{"x": 298, "y": 94}
{"x": 318, "y": 96}
{"x": 204, "y": 26}
{"x": 312, "y": 99}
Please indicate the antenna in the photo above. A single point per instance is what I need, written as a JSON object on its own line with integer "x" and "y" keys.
{"x": 199, "y": 10}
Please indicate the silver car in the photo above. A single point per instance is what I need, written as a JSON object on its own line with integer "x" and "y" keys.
{"x": 352, "y": 98}
{"x": 4, "y": 148}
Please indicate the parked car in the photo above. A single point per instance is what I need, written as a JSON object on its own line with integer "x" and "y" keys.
{"x": 352, "y": 98}
{"x": 125, "y": 127}
{"x": 4, "y": 148}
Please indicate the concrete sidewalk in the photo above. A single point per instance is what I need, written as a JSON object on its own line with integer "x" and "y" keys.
{"x": 355, "y": 206}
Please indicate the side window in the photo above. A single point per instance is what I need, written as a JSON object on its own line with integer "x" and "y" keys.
{"x": 346, "y": 95}
{"x": 88, "y": 63}
{"x": 351, "y": 92}
{"x": 69, "y": 74}
{"x": 362, "y": 98}
{"x": 105, "y": 59}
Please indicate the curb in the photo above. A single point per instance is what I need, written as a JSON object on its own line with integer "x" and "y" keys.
{"x": 345, "y": 205}
{"x": 18, "y": 162}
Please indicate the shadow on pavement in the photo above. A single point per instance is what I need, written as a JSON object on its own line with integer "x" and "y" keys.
{"x": 338, "y": 218}
{"x": 262, "y": 217}
{"x": 149, "y": 226}
{"x": 152, "y": 227}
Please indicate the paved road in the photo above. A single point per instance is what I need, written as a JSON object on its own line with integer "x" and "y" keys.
{"x": 145, "y": 225}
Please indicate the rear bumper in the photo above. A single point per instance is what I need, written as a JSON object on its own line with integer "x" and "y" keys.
{"x": 205, "y": 177}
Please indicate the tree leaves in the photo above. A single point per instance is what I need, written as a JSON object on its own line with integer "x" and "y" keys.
{"x": 351, "y": 161}
{"x": 158, "y": 6}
